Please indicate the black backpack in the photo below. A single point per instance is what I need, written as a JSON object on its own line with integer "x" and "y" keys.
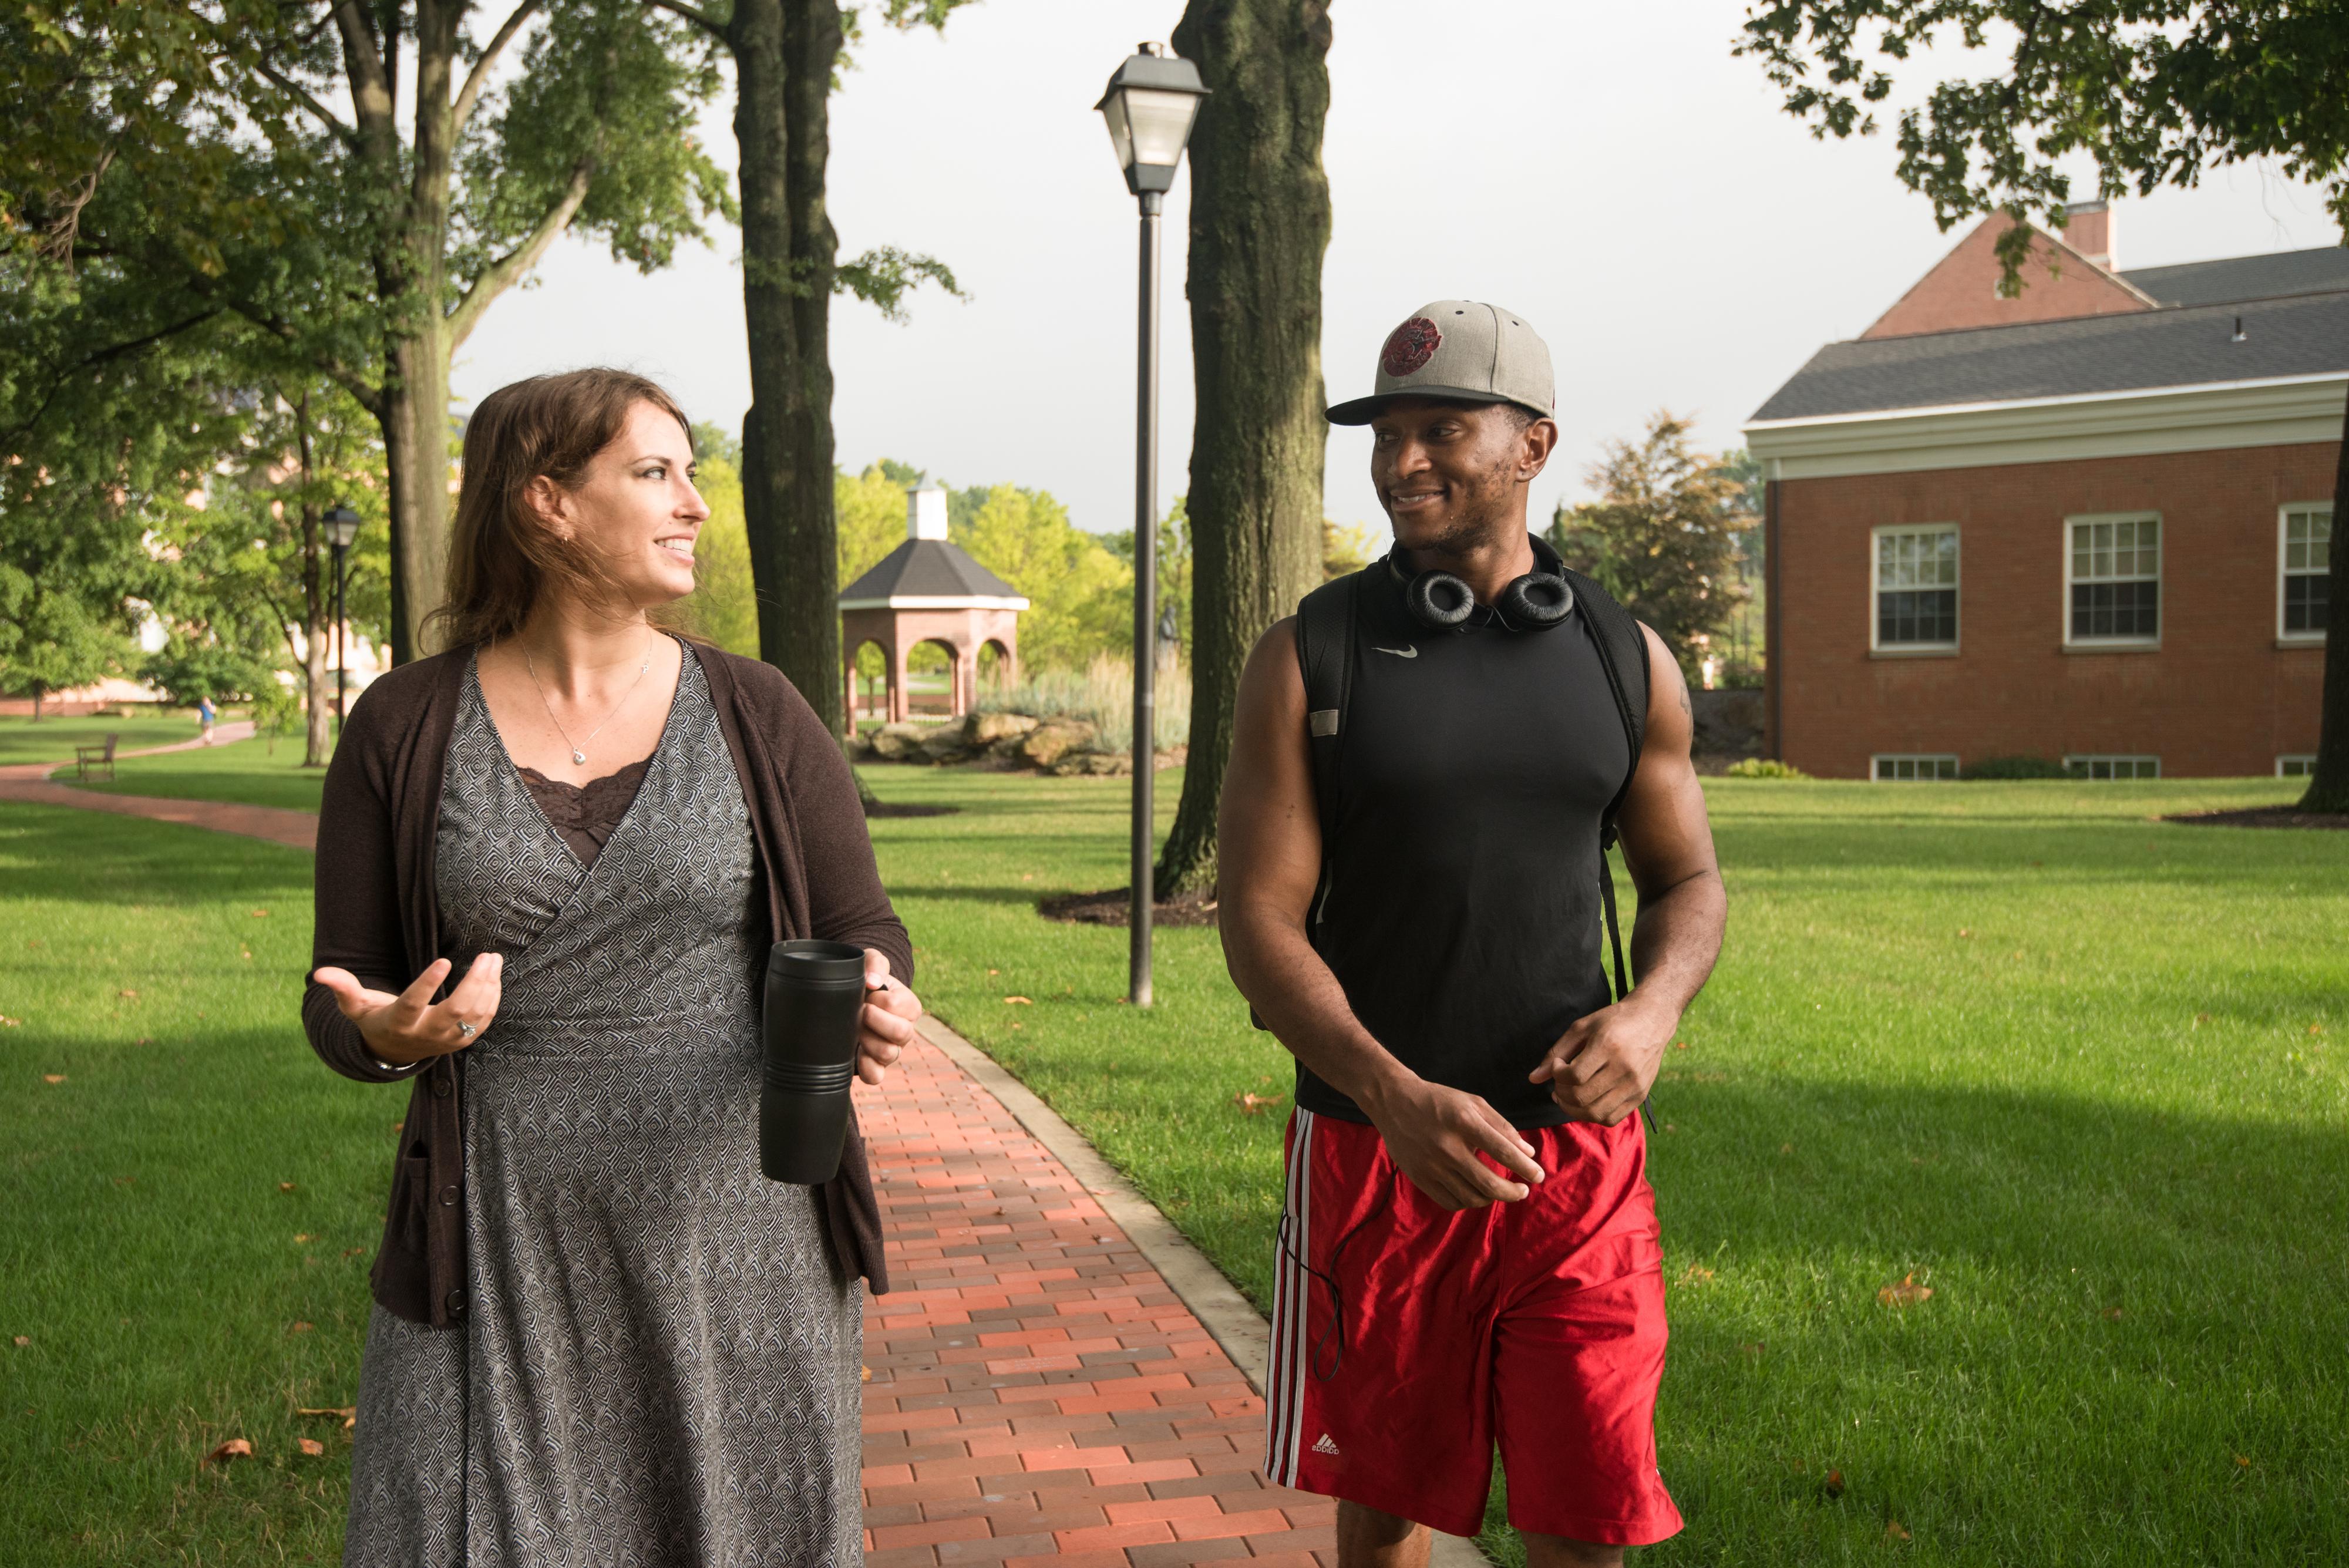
{"x": 1325, "y": 643}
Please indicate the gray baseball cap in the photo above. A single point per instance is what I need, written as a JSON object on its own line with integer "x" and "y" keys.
{"x": 1463, "y": 350}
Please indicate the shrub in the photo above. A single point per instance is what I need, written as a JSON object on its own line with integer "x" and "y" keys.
{"x": 1764, "y": 768}
{"x": 1102, "y": 696}
{"x": 2016, "y": 768}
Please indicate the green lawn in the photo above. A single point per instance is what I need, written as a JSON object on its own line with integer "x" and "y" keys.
{"x": 250, "y": 770}
{"x": 2075, "y": 1069}
{"x": 53, "y": 740}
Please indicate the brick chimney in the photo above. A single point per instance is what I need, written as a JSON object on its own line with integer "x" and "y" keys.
{"x": 2088, "y": 229}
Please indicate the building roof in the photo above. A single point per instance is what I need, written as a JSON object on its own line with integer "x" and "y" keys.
{"x": 2316, "y": 270}
{"x": 2299, "y": 335}
{"x": 932, "y": 571}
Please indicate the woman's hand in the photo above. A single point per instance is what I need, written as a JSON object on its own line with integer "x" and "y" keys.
{"x": 409, "y": 1027}
{"x": 887, "y": 1026}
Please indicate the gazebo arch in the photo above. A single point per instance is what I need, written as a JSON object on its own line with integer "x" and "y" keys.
{"x": 928, "y": 590}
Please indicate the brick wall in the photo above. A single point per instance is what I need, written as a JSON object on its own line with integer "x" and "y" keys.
{"x": 2218, "y": 699}
{"x": 1961, "y": 290}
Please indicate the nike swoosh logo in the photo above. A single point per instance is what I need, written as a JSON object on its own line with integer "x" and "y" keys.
{"x": 1398, "y": 652}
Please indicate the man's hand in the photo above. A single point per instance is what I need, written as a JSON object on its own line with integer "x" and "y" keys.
{"x": 887, "y": 1023}
{"x": 1434, "y": 1136}
{"x": 1601, "y": 1069}
{"x": 411, "y": 1026}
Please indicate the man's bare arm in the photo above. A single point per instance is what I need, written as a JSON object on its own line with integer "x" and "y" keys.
{"x": 1601, "y": 1069}
{"x": 1269, "y": 863}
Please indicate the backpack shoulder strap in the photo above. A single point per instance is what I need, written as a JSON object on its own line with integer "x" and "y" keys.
{"x": 1325, "y": 659}
{"x": 1623, "y": 652}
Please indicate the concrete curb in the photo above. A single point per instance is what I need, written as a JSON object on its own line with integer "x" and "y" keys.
{"x": 1220, "y": 1308}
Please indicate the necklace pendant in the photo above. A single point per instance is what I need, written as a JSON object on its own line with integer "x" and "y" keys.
{"x": 578, "y": 756}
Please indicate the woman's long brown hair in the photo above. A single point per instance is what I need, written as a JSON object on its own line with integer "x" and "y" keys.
{"x": 502, "y": 554}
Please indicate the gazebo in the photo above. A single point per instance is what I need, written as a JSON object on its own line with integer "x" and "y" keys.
{"x": 928, "y": 591}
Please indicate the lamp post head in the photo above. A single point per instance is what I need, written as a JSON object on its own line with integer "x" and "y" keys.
{"x": 1151, "y": 104}
{"x": 342, "y": 526}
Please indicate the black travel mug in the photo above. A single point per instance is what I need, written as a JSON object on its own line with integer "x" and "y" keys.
{"x": 815, "y": 994}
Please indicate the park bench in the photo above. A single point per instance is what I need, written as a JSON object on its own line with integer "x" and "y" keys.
{"x": 89, "y": 757}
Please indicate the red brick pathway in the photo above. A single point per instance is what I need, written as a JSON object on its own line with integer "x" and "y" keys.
{"x": 28, "y": 783}
{"x": 1039, "y": 1396}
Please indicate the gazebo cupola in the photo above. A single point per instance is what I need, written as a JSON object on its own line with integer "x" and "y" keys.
{"x": 928, "y": 590}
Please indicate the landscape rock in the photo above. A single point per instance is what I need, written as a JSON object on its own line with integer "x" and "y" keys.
{"x": 985, "y": 729}
{"x": 1092, "y": 764}
{"x": 945, "y": 743}
{"x": 859, "y": 746}
{"x": 899, "y": 742}
{"x": 1048, "y": 743}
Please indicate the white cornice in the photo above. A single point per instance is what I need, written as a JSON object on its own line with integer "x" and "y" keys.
{"x": 938, "y": 601}
{"x": 2280, "y": 412}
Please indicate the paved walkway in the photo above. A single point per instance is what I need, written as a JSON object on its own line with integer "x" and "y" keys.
{"x": 1039, "y": 1396}
{"x": 1039, "y": 1393}
{"x": 29, "y": 782}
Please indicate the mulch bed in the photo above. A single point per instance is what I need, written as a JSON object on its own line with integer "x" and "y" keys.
{"x": 900, "y": 808}
{"x": 2263, "y": 816}
{"x": 1111, "y": 907}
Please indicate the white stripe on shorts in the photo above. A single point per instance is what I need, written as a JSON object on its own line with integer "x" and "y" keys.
{"x": 1284, "y": 1403}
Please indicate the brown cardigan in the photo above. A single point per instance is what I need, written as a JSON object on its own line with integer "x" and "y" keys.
{"x": 377, "y": 917}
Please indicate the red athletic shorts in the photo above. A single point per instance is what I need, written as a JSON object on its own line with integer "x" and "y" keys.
{"x": 1407, "y": 1339}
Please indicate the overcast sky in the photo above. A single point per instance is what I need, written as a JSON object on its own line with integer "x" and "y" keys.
{"x": 1608, "y": 172}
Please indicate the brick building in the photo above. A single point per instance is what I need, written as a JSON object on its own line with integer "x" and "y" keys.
{"x": 2089, "y": 524}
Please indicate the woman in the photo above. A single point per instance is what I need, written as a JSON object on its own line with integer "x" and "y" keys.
{"x": 601, "y": 1336}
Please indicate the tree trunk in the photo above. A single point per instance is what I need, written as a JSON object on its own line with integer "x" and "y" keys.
{"x": 415, "y": 422}
{"x": 1259, "y": 226}
{"x": 784, "y": 55}
{"x": 317, "y": 722}
{"x": 2329, "y": 789}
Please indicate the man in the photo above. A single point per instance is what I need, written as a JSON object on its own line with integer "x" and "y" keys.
{"x": 1469, "y": 1246}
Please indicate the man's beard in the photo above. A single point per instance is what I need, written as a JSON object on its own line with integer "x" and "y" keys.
{"x": 1488, "y": 505}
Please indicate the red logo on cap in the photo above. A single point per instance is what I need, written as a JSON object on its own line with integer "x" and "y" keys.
{"x": 1410, "y": 347}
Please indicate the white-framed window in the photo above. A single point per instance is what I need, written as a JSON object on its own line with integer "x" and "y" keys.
{"x": 2296, "y": 766}
{"x": 1914, "y": 596}
{"x": 2112, "y": 580}
{"x": 1904, "y": 766}
{"x": 2113, "y": 767}
{"x": 2305, "y": 542}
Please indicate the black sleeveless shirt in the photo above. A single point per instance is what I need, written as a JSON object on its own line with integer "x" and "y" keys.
{"x": 1462, "y": 914}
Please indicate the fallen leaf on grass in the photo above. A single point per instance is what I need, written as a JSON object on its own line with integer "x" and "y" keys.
{"x": 260, "y": 914}
{"x": 1253, "y": 1103}
{"x": 304, "y": 1236}
{"x": 53, "y": 1077}
{"x": 1893, "y": 1531}
{"x": 1757, "y": 1348}
{"x": 1697, "y": 1274}
{"x": 1679, "y": 1045}
{"x": 2112, "y": 1314}
{"x": 1834, "y": 1483}
{"x": 2317, "y": 1029}
{"x": 312, "y": 1447}
{"x": 1019, "y": 1002}
{"x": 300, "y": 1327}
{"x": 994, "y": 972}
{"x": 1786, "y": 1149}
{"x": 22, "y": 1340}
{"x": 2243, "y": 1460}
{"x": 1907, "y": 1292}
{"x": 128, "y": 995}
{"x": 2200, "y": 1019}
{"x": 124, "y": 1180}
{"x": 36, "y": 942}
{"x": 234, "y": 1449}
{"x": 353, "y": 1251}
{"x": 1965, "y": 930}
{"x": 349, "y": 1413}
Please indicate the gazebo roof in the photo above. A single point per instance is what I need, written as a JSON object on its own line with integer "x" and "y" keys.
{"x": 930, "y": 574}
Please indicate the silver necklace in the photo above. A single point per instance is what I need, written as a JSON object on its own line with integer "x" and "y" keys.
{"x": 577, "y": 755}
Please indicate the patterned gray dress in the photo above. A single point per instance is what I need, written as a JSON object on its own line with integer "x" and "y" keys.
{"x": 658, "y": 1365}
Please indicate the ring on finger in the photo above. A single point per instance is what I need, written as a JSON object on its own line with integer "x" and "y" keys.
{"x": 465, "y": 1030}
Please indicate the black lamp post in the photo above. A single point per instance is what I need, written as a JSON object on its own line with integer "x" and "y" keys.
{"x": 1150, "y": 106}
{"x": 342, "y": 528}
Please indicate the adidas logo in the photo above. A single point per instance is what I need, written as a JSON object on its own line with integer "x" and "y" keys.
{"x": 1325, "y": 1446}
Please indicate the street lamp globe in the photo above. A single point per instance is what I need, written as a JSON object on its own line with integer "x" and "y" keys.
{"x": 342, "y": 526}
{"x": 1151, "y": 103}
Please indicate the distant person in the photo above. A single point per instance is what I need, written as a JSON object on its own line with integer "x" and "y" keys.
{"x": 206, "y": 714}
{"x": 551, "y": 862}
{"x": 1468, "y": 1249}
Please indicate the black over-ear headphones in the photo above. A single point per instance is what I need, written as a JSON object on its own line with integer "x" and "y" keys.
{"x": 1535, "y": 602}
